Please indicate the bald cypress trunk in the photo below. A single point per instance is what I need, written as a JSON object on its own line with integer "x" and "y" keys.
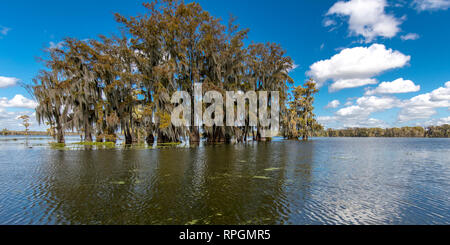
{"x": 87, "y": 134}
{"x": 150, "y": 139}
{"x": 99, "y": 137}
{"x": 194, "y": 136}
{"x": 128, "y": 136}
{"x": 60, "y": 134}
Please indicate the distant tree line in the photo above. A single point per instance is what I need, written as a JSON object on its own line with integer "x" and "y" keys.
{"x": 6, "y": 132}
{"x": 430, "y": 132}
{"x": 121, "y": 85}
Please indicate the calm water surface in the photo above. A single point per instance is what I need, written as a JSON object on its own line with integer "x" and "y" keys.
{"x": 325, "y": 181}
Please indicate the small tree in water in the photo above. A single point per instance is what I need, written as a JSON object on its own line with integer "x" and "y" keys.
{"x": 300, "y": 118}
{"x": 26, "y": 123}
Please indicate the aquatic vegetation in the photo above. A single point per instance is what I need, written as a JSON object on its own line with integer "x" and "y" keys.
{"x": 232, "y": 176}
{"x": 106, "y": 144}
{"x": 58, "y": 146}
{"x": 214, "y": 177}
{"x": 118, "y": 182}
{"x": 170, "y": 143}
{"x": 261, "y": 177}
{"x": 272, "y": 169}
{"x": 192, "y": 222}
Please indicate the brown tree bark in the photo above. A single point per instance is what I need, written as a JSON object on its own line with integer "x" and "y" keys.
{"x": 60, "y": 135}
{"x": 150, "y": 139}
{"x": 194, "y": 135}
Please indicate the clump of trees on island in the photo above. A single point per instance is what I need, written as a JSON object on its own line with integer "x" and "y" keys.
{"x": 114, "y": 85}
{"x": 430, "y": 132}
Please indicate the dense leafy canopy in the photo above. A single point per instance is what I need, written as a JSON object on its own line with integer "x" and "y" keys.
{"x": 123, "y": 84}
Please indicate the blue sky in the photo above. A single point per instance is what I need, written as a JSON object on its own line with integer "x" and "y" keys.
{"x": 380, "y": 62}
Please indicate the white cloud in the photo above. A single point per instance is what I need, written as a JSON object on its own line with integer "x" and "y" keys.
{"x": 424, "y": 106}
{"x": 58, "y": 45}
{"x": 4, "y": 30}
{"x": 354, "y": 67}
{"x": 408, "y": 114}
{"x": 19, "y": 101}
{"x": 395, "y": 87}
{"x": 420, "y": 107}
{"x": 324, "y": 120}
{"x": 7, "y": 81}
{"x": 359, "y": 115}
{"x": 367, "y": 18}
{"x": 422, "y": 5}
{"x": 367, "y": 105}
{"x": 368, "y": 123}
{"x": 333, "y": 104}
{"x": 294, "y": 66}
{"x": 442, "y": 93}
{"x": 410, "y": 36}
{"x": 10, "y": 121}
{"x": 351, "y": 83}
{"x": 340, "y": 122}
{"x": 437, "y": 122}
{"x": 329, "y": 22}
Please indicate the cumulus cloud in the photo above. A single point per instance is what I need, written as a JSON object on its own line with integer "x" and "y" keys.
{"x": 367, "y": 18}
{"x": 333, "y": 104}
{"x": 10, "y": 121}
{"x": 395, "y": 87}
{"x": 351, "y": 83}
{"x": 359, "y": 115}
{"x": 8, "y": 81}
{"x": 437, "y": 122}
{"x": 348, "y": 103}
{"x": 423, "y": 5}
{"x": 442, "y": 93}
{"x": 19, "y": 101}
{"x": 410, "y": 36}
{"x": 339, "y": 122}
{"x": 355, "y": 67}
{"x": 424, "y": 106}
{"x": 418, "y": 108}
{"x": 367, "y": 105}
{"x": 368, "y": 123}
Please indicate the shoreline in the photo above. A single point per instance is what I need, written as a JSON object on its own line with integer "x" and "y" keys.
{"x": 37, "y": 133}
{"x": 32, "y": 133}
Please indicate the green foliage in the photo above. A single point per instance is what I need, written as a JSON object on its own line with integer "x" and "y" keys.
{"x": 25, "y": 123}
{"x": 431, "y": 132}
{"x": 58, "y": 146}
{"x": 5, "y": 132}
{"x": 300, "y": 119}
{"x": 106, "y": 144}
{"x": 122, "y": 84}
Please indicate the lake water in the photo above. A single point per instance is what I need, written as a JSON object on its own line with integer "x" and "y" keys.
{"x": 324, "y": 181}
